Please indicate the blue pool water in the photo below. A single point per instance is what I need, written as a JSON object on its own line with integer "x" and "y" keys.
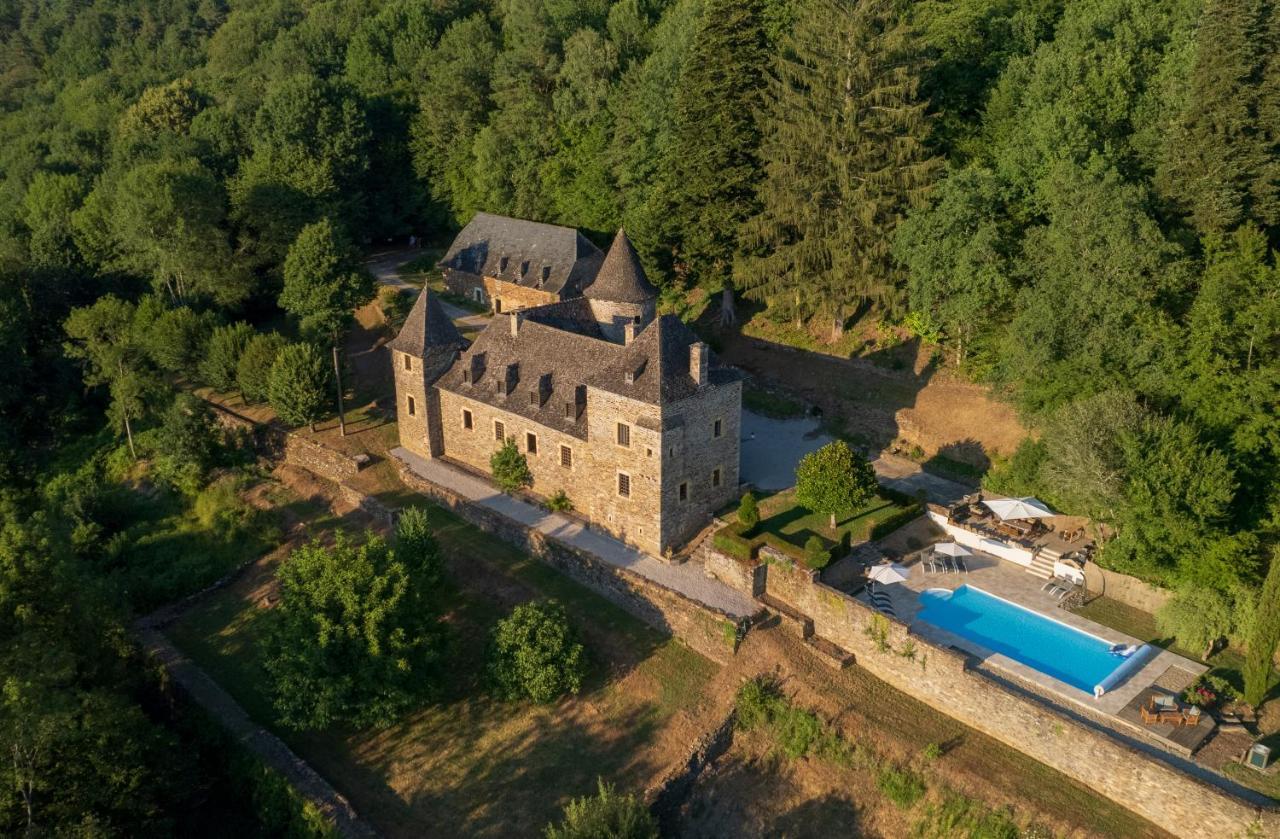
{"x": 1055, "y": 649}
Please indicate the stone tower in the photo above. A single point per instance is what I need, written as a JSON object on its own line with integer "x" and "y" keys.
{"x": 621, "y": 294}
{"x": 427, "y": 345}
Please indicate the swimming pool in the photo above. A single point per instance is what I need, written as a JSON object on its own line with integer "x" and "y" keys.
{"x": 1063, "y": 652}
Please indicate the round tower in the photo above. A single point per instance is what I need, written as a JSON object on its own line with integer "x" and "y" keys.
{"x": 621, "y": 294}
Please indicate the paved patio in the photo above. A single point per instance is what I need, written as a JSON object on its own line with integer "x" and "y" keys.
{"x": 771, "y": 449}
{"x": 689, "y": 579}
{"x": 1012, "y": 582}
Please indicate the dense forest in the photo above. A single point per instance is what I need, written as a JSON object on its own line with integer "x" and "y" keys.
{"x": 1078, "y": 202}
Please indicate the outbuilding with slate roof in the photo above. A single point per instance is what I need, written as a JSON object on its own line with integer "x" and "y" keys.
{"x": 510, "y": 263}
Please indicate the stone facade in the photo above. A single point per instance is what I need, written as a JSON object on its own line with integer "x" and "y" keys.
{"x": 623, "y": 411}
{"x": 1155, "y": 789}
{"x": 498, "y": 295}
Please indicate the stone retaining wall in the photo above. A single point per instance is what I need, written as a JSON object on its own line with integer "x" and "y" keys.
{"x": 320, "y": 459}
{"x": 1174, "y": 800}
{"x": 666, "y": 797}
{"x": 1125, "y": 589}
{"x": 711, "y": 632}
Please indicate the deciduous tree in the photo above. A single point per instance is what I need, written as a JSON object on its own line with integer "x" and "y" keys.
{"x": 834, "y": 479}
{"x": 297, "y": 385}
{"x": 534, "y": 654}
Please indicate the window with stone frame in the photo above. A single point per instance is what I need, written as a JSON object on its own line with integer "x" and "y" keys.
{"x": 715, "y": 477}
{"x": 408, "y": 361}
{"x": 684, "y": 491}
{"x": 624, "y": 434}
{"x": 412, "y": 407}
{"x": 499, "y": 430}
{"x": 566, "y": 457}
{"x": 531, "y": 442}
{"x": 717, "y": 428}
{"x": 624, "y": 485}
{"x": 468, "y": 422}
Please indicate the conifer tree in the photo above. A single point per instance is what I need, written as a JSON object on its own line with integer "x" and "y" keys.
{"x": 1217, "y": 155}
{"x": 712, "y": 168}
{"x": 844, "y": 132}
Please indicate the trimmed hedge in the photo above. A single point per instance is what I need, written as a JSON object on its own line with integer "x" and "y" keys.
{"x": 898, "y": 519}
{"x": 730, "y": 540}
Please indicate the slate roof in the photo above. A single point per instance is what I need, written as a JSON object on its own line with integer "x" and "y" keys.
{"x": 658, "y": 358}
{"x": 548, "y": 257}
{"x": 621, "y": 278}
{"x": 426, "y": 327}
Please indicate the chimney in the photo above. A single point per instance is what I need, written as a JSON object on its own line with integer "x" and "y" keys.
{"x": 698, "y": 360}
{"x": 514, "y": 319}
{"x": 628, "y": 332}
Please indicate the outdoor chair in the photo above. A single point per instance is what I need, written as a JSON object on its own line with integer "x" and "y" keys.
{"x": 1192, "y": 716}
{"x": 961, "y": 566}
{"x": 1149, "y": 716}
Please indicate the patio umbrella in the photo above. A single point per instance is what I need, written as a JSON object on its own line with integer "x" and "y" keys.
{"x": 1019, "y": 508}
{"x": 886, "y": 574}
{"x": 951, "y": 549}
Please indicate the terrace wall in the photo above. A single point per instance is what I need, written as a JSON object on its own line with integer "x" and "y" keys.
{"x": 1172, "y": 799}
{"x": 1125, "y": 589}
{"x": 711, "y": 632}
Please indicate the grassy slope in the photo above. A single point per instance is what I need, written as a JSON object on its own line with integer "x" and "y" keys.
{"x": 489, "y": 768}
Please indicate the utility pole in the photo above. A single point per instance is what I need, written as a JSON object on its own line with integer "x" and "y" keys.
{"x": 337, "y": 377}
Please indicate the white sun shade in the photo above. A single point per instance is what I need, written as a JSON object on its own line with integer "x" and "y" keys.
{"x": 951, "y": 549}
{"x": 886, "y": 574}
{"x": 1019, "y": 508}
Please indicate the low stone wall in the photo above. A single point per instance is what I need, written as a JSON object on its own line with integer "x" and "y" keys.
{"x": 1174, "y": 800}
{"x": 320, "y": 459}
{"x": 1125, "y": 589}
{"x": 367, "y": 504}
{"x": 666, "y": 797}
{"x": 711, "y": 632}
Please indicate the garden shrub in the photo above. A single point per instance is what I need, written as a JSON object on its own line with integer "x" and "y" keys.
{"x": 222, "y": 355}
{"x": 901, "y": 786}
{"x": 959, "y": 816}
{"x": 606, "y": 815}
{"x": 559, "y": 503}
{"x": 816, "y": 555}
{"x": 1197, "y": 617}
{"x": 510, "y": 468}
{"x": 534, "y": 653}
{"x": 748, "y": 512}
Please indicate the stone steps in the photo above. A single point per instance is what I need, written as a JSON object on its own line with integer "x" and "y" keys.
{"x": 1042, "y": 564}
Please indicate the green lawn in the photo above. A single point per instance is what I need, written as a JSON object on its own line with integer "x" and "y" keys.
{"x": 782, "y": 516}
{"x": 769, "y": 403}
{"x": 481, "y": 766}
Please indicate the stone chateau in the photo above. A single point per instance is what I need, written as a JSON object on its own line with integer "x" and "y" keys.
{"x": 626, "y": 411}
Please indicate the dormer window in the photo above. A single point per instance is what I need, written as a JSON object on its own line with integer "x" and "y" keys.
{"x": 502, "y": 264}
{"x": 546, "y": 274}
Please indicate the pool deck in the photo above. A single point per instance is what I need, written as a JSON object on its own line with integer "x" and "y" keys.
{"x": 1166, "y": 671}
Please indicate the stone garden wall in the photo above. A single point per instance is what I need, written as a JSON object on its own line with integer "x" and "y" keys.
{"x": 1158, "y": 791}
{"x": 711, "y": 632}
{"x": 1127, "y": 590}
{"x": 320, "y": 459}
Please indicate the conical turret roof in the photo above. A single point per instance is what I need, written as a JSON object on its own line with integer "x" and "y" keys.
{"x": 621, "y": 278}
{"x": 426, "y": 328}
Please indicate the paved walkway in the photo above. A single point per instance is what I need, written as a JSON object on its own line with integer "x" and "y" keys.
{"x": 689, "y": 578}
{"x": 385, "y": 267}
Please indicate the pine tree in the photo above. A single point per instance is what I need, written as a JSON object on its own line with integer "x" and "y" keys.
{"x": 844, "y": 132}
{"x": 1216, "y": 155}
{"x": 712, "y": 168}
